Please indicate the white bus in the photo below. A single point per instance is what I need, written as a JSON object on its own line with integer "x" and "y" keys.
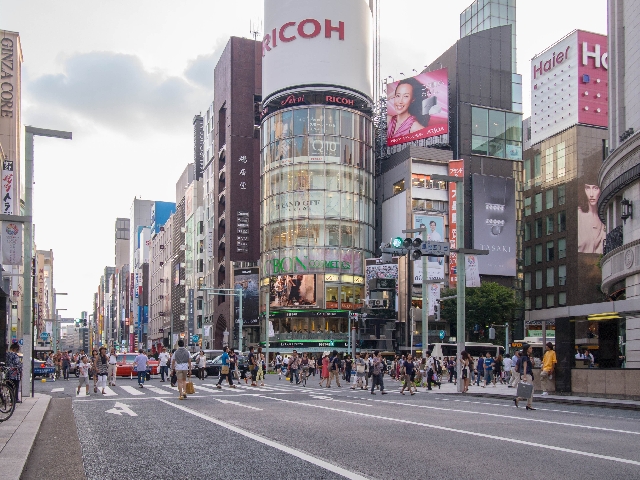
{"x": 441, "y": 350}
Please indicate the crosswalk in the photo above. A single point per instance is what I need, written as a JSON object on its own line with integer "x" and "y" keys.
{"x": 165, "y": 390}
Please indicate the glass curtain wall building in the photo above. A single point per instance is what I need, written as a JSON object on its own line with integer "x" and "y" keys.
{"x": 318, "y": 211}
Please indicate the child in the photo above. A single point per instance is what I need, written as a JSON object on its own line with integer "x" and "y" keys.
{"x": 84, "y": 374}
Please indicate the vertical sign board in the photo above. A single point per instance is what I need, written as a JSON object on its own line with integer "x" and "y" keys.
{"x": 456, "y": 169}
{"x": 7, "y": 187}
{"x": 190, "y": 316}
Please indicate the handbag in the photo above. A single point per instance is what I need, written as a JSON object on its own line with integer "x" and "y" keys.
{"x": 225, "y": 369}
{"x": 190, "y": 389}
{"x": 525, "y": 390}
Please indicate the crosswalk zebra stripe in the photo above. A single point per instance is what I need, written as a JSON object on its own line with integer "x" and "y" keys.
{"x": 132, "y": 390}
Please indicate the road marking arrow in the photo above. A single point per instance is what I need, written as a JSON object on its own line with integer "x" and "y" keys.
{"x": 120, "y": 408}
{"x": 237, "y": 404}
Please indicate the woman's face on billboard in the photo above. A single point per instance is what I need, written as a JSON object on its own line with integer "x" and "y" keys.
{"x": 592, "y": 192}
{"x": 403, "y": 98}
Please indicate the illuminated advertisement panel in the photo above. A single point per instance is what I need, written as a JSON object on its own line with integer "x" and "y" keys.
{"x": 418, "y": 107}
{"x": 292, "y": 291}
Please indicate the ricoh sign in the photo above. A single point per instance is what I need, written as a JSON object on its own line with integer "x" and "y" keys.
{"x": 311, "y": 42}
{"x": 569, "y": 85}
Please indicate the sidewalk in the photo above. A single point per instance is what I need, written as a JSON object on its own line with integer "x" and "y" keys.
{"x": 18, "y": 434}
{"x": 503, "y": 392}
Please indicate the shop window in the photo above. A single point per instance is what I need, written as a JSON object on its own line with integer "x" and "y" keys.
{"x": 418, "y": 180}
{"x": 398, "y": 187}
{"x": 331, "y": 294}
{"x": 539, "y": 253}
{"x": 333, "y": 235}
{"x": 562, "y": 248}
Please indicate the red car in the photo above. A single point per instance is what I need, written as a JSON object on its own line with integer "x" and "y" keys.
{"x": 125, "y": 365}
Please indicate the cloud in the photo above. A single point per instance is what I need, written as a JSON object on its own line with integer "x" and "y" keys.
{"x": 115, "y": 90}
{"x": 200, "y": 70}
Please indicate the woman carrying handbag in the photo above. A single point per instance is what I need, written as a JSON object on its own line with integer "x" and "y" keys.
{"x": 524, "y": 368}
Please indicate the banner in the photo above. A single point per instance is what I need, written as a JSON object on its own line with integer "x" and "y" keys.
{"x": 418, "y": 107}
{"x": 207, "y": 330}
{"x": 456, "y": 169}
{"x": 434, "y": 296}
{"x": 7, "y": 187}
{"x": 472, "y": 272}
{"x": 11, "y": 243}
{"x": 435, "y": 233}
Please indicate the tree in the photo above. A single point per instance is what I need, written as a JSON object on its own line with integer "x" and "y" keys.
{"x": 484, "y": 305}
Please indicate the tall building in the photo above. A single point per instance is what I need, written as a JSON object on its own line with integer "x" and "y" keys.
{"x": 44, "y": 299}
{"x": 210, "y": 179}
{"x": 122, "y": 239}
{"x": 317, "y": 167}
{"x": 122, "y": 246}
{"x": 160, "y": 256}
{"x": 198, "y": 145}
{"x": 619, "y": 201}
{"x": 236, "y": 175}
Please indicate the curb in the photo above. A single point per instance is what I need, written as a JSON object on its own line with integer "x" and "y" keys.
{"x": 566, "y": 400}
{"x": 22, "y": 432}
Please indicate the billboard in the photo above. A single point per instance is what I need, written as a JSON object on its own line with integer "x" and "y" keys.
{"x": 494, "y": 223}
{"x": 418, "y": 107}
{"x": 591, "y": 231}
{"x": 247, "y": 279}
{"x": 307, "y": 42}
{"x": 456, "y": 169}
{"x": 435, "y": 233}
{"x": 292, "y": 291}
{"x": 569, "y": 85}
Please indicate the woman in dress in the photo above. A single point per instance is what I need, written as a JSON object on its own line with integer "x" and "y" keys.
{"x": 407, "y": 102}
{"x": 591, "y": 231}
{"x": 325, "y": 369}
{"x": 465, "y": 360}
{"x": 524, "y": 370}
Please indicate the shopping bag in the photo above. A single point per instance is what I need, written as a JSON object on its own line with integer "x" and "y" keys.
{"x": 525, "y": 390}
{"x": 190, "y": 389}
{"x": 225, "y": 370}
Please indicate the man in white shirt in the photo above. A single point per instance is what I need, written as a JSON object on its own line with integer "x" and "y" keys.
{"x": 113, "y": 366}
{"x": 163, "y": 360}
{"x": 506, "y": 362}
{"x": 140, "y": 364}
{"x": 514, "y": 375}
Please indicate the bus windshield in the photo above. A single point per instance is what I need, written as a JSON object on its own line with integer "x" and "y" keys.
{"x": 441, "y": 350}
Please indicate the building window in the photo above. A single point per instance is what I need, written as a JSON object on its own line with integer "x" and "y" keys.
{"x": 562, "y": 194}
{"x": 538, "y": 227}
{"x": 527, "y": 174}
{"x": 527, "y": 303}
{"x": 562, "y": 248}
{"x": 199, "y": 304}
{"x": 527, "y": 206}
{"x": 199, "y": 321}
{"x": 562, "y": 299}
{"x": 562, "y": 221}
{"x": 537, "y": 208}
{"x": 561, "y": 160}
{"x": 549, "y": 224}
{"x": 548, "y": 165}
{"x": 496, "y": 133}
{"x": 562, "y": 275}
{"x": 527, "y": 281}
{"x": 398, "y": 187}
{"x": 539, "y": 301}
{"x": 550, "y": 300}
{"x": 539, "y": 253}
{"x": 548, "y": 199}
{"x": 550, "y": 277}
{"x": 537, "y": 169}
{"x": 550, "y": 251}
{"x": 527, "y": 231}
{"x": 527, "y": 256}
{"x": 538, "y": 279}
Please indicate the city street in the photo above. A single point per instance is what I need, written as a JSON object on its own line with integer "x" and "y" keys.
{"x": 287, "y": 431}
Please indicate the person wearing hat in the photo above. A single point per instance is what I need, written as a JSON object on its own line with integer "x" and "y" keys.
{"x": 548, "y": 367}
{"x": 324, "y": 375}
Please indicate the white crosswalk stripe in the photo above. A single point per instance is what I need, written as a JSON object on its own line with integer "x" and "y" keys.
{"x": 157, "y": 390}
{"x": 132, "y": 390}
{"x": 108, "y": 392}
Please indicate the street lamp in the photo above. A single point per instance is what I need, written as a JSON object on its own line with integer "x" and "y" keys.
{"x": 27, "y": 220}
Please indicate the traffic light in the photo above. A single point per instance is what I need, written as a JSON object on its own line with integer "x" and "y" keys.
{"x": 396, "y": 242}
{"x": 492, "y": 333}
{"x": 84, "y": 322}
{"x": 436, "y": 311}
{"x": 407, "y": 243}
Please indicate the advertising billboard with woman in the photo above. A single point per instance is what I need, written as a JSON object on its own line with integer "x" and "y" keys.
{"x": 591, "y": 231}
{"x": 418, "y": 107}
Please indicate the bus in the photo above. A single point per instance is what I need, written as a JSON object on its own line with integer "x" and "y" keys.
{"x": 535, "y": 342}
{"x": 441, "y": 350}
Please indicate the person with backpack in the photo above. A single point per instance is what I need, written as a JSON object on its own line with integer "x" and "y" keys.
{"x": 378, "y": 373}
{"x": 334, "y": 369}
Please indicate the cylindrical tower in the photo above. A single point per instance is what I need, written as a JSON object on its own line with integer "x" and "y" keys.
{"x": 317, "y": 165}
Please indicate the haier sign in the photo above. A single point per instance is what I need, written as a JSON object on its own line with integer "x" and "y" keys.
{"x": 569, "y": 85}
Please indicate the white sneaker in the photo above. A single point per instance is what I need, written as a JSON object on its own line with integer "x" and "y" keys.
{"x": 545, "y": 393}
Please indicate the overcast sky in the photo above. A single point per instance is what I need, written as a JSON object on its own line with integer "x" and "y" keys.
{"x": 127, "y": 77}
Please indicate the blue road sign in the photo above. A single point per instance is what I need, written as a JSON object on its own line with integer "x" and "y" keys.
{"x": 195, "y": 338}
{"x": 441, "y": 334}
{"x": 21, "y": 342}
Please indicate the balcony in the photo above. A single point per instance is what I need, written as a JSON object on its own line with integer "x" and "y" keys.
{"x": 221, "y": 197}
{"x": 221, "y": 173}
{"x": 614, "y": 240}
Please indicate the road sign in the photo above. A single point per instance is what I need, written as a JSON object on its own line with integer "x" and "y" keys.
{"x": 44, "y": 335}
{"x": 195, "y": 338}
{"x": 441, "y": 334}
{"x": 21, "y": 342}
{"x": 435, "y": 249}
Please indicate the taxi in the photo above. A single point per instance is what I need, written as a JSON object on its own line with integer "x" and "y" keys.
{"x": 125, "y": 367}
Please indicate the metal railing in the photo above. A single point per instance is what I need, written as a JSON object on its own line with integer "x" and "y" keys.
{"x": 613, "y": 240}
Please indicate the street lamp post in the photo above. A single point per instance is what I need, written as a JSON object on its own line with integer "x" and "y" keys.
{"x": 27, "y": 220}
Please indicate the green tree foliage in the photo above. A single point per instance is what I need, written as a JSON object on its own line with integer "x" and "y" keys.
{"x": 484, "y": 305}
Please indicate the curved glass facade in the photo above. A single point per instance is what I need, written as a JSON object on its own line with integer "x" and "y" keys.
{"x": 317, "y": 194}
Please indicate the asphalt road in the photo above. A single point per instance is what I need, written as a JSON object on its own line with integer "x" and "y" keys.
{"x": 287, "y": 431}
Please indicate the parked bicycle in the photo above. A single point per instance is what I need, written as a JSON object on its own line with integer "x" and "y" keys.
{"x": 7, "y": 394}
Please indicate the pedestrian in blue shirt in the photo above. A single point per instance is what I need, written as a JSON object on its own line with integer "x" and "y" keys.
{"x": 488, "y": 368}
